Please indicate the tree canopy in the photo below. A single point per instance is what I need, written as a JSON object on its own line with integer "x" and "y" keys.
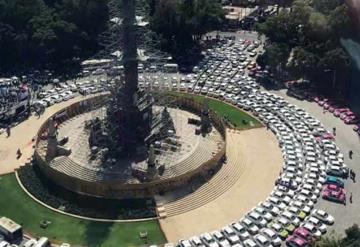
{"x": 49, "y": 32}
{"x": 351, "y": 239}
{"x": 312, "y": 30}
{"x": 183, "y": 22}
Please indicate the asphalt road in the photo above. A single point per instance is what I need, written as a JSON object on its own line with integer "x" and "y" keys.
{"x": 346, "y": 139}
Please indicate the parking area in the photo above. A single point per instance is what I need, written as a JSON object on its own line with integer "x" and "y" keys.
{"x": 346, "y": 139}
{"x": 314, "y": 173}
{"x": 311, "y": 192}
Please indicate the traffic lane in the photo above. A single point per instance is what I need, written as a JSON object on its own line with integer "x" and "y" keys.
{"x": 346, "y": 139}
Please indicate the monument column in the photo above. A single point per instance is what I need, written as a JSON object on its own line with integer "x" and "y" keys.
{"x": 130, "y": 51}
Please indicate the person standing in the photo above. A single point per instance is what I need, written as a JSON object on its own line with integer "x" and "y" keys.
{"x": 350, "y": 198}
{"x": 8, "y": 131}
{"x": 18, "y": 153}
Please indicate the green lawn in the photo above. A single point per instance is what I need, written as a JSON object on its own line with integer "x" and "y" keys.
{"x": 235, "y": 115}
{"x": 15, "y": 204}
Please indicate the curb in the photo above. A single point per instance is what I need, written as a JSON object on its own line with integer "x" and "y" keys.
{"x": 74, "y": 215}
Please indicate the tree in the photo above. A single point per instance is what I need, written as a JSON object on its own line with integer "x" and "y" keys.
{"x": 339, "y": 21}
{"x": 329, "y": 241}
{"x": 277, "y": 28}
{"x": 312, "y": 31}
{"x": 183, "y": 22}
{"x": 335, "y": 59}
{"x": 276, "y": 56}
{"x": 352, "y": 238}
{"x": 318, "y": 27}
{"x": 302, "y": 62}
{"x": 35, "y": 33}
{"x": 326, "y": 6}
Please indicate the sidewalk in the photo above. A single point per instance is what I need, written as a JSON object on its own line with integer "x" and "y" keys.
{"x": 21, "y": 137}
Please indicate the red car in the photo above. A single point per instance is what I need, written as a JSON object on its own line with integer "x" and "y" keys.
{"x": 327, "y": 105}
{"x": 338, "y": 112}
{"x": 295, "y": 241}
{"x": 322, "y": 102}
{"x": 328, "y": 136}
{"x": 333, "y": 108}
{"x": 304, "y": 234}
{"x": 334, "y": 196}
{"x": 334, "y": 193}
{"x": 317, "y": 98}
{"x": 334, "y": 187}
{"x": 324, "y": 136}
{"x": 347, "y": 114}
{"x": 350, "y": 120}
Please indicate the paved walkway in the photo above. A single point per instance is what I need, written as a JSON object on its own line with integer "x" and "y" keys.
{"x": 21, "y": 137}
{"x": 260, "y": 159}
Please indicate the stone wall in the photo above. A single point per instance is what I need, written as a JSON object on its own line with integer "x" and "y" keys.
{"x": 113, "y": 189}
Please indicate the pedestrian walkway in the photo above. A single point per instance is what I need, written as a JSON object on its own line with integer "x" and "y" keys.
{"x": 258, "y": 164}
{"x": 22, "y": 138}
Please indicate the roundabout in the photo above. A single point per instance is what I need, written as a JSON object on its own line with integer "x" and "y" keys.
{"x": 57, "y": 218}
{"x": 224, "y": 197}
{"x": 212, "y": 161}
{"x": 181, "y": 157}
{"x": 278, "y": 158}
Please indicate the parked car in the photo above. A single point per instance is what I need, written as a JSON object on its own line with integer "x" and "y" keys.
{"x": 334, "y": 195}
{"x": 304, "y": 234}
{"x": 334, "y": 180}
{"x": 270, "y": 234}
{"x": 295, "y": 241}
{"x": 323, "y": 216}
{"x": 337, "y": 171}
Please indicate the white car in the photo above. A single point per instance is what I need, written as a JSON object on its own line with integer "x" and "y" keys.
{"x": 209, "y": 240}
{"x": 297, "y": 212}
{"x": 41, "y": 102}
{"x": 314, "y": 182}
{"x": 257, "y": 219}
{"x": 250, "y": 226}
{"x": 272, "y": 235}
{"x": 314, "y": 190}
{"x": 291, "y": 217}
{"x": 312, "y": 228}
{"x": 323, "y": 216}
{"x": 241, "y": 231}
{"x": 308, "y": 194}
{"x": 250, "y": 243}
{"x": 196, "y": 241}
{"x": 316, "y": 222}
{"x": 231, "y": 235}
{"x": 271, "y": 208}
{"x": 277, "y": 202}
{"x": 300, "y": 205}
{"x": 48, "y": 101}
{"x": 220, "y": 238}
{"x": 262, "y": 240}
{"x": 264, "y": 213}
{"x": 56, "y": 98}
{"x": 185, "y": 243}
